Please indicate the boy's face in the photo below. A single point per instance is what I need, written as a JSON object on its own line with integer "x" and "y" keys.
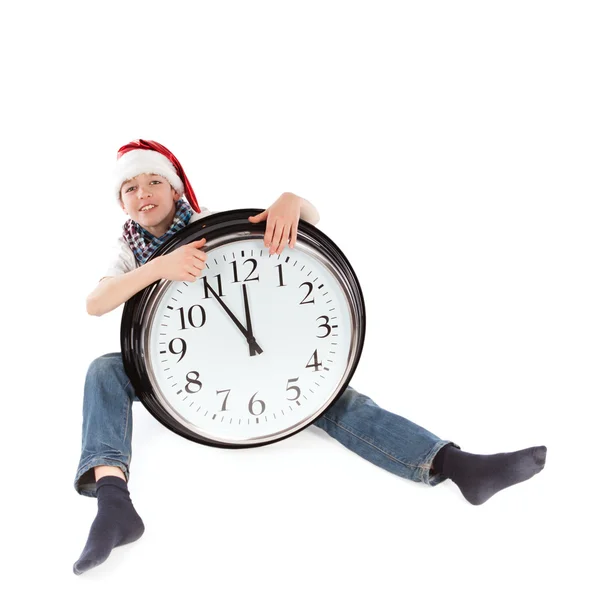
{"x": 155, "y": 193}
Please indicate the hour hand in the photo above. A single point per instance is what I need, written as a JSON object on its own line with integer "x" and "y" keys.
{"x": 252, "y": 345}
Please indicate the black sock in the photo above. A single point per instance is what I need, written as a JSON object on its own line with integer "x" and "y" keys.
{"x": 117, "y": 523}
{"x": 480, "y": 476}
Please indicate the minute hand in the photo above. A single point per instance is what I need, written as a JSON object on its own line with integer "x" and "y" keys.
{"x": 244, "y": 331}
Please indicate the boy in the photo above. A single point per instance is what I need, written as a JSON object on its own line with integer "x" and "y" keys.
{"x": 150, "y": 185}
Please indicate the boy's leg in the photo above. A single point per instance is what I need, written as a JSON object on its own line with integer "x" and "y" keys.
{"x": 406, "y": 449}
{"x": 383, "y": 438}
{"x": 106, "y": 471}
{"x": 107, "y": 421}
{"x": 105, "y": 456}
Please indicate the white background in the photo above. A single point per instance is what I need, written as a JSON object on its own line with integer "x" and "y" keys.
{"x": 452, "y": 151}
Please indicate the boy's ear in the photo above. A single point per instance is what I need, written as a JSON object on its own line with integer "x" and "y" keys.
{"x": 123, "y": 206}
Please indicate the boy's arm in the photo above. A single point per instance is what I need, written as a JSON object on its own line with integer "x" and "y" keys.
{"x": 308, "y": 212}
{"x": 111, "y": 292}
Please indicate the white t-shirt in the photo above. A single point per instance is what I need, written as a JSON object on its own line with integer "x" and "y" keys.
{"x": 123, "y": 260}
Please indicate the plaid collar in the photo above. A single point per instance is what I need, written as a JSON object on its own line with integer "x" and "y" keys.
{"x": 143, "y": 243}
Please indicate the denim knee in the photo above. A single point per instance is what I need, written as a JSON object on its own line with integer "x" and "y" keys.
{"x": 104, "y": 364}
{"x": 349, "y": 399}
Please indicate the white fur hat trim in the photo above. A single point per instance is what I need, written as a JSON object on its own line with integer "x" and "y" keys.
{"x": 135, "y": 162}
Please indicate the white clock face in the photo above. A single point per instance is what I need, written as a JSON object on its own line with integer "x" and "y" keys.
{"x": 207, "y": 373}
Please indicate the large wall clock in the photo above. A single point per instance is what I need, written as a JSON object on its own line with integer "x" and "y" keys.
{"x": 254, "y": 350}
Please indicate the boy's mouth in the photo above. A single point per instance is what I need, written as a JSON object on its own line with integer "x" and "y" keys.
{"x": 147, "y": 207}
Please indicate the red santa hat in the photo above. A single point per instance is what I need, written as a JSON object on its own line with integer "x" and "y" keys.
{"x": 146, "y": 156}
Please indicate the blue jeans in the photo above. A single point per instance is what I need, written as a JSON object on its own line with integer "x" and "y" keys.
{"x": 381, "y": 437}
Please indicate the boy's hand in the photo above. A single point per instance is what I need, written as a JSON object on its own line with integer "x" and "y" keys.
{"x": 282, "y": 222}
{"x": 184, "y": 264}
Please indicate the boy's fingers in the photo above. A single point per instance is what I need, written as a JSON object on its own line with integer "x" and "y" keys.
{"x": 269, "y": 232}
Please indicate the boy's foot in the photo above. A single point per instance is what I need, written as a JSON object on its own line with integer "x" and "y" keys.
{"x": 117, "y": 523}
{"x": 480, "y": 476}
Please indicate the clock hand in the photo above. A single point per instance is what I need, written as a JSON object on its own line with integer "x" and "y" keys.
{"x": 245, "y": 333}
{"x": 252, "y": 345}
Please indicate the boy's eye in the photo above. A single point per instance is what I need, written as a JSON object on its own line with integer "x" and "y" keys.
{"x": 130, "y": 188}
